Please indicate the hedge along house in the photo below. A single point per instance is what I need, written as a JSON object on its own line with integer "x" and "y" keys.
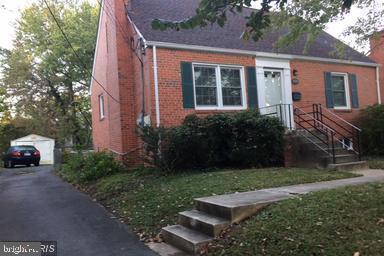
{"x": 149, "y": 77}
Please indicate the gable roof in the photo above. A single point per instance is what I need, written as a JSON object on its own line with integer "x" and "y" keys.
{"x": 32, "y": 137}
{"x": 142, "y": 12}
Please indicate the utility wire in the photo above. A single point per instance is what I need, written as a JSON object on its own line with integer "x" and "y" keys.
{"x": 74, "y": 51}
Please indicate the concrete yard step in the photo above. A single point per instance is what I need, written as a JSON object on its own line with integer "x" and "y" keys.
{"x": 239, "y": 206}
{"x": 164, "y": 249}
{"x": 357, "y": 165}
{"x": 203, "y": 222}
{"x": 184, "y": 238}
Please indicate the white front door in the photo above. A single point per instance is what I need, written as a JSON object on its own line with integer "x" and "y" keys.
{"x": 273, "y": 91}
{"x": 273, "y": 87}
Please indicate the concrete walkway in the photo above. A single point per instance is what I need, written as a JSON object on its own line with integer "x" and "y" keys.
{"x": 270, "y": 195}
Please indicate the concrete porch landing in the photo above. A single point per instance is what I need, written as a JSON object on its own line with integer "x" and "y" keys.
{"x": 213, "y": 214}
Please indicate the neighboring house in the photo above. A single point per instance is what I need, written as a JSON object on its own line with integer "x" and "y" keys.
{"x": 145, "y": 76}
{"x": 377, "y": 54}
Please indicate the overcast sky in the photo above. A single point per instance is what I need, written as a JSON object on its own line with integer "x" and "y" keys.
{"x": 9, "y": 12}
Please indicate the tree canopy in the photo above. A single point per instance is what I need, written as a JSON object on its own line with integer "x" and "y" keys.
{"x": 299, "y": 16}
{"x": 45, "y": 81}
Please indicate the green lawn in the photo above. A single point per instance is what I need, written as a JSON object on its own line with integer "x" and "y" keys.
{"x": 149, "y": 201}
{"x": 335, "y": 222}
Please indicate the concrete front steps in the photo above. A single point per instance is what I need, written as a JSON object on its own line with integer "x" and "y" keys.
{"x": 315, "y": 150}
{"x": 198, "y": 227}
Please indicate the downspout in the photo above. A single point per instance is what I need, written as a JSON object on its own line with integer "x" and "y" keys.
{"x": 142, "y": 44}
{"x": 378, "y": 84}
{"x": 157, "y": 100}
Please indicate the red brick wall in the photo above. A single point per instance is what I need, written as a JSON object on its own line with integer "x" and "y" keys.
{"x": 169, "y": 77}
{"x": 310, "y": 74}
{"x": 103, "y": 71}
{"x": 312, "y": 88}
{"x": 377, "y": 54}
{"x": 115, "y": 69}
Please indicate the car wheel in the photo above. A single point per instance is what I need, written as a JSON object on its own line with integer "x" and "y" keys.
{"x": 5, "y": 164}
{"x": 28, "y": 165}
{"x": 10, "y": 164}
{"x": 37, "y": 163}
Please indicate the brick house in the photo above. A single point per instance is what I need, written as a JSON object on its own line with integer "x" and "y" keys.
{"x": 145, "y": 76}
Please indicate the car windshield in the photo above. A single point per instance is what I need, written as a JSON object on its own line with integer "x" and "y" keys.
{"x": 21, "y": 148}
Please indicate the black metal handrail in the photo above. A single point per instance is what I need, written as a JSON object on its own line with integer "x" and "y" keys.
{"x": 281, "y": 111}
{"x": 310, "y": 124}
{"x": 352, "y": 133}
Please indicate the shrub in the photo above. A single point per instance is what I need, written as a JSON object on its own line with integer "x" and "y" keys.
{"x": 372, "y": 124}
{"x": 259, "y": 140}
{"x": 244, "y": 139}
{"x": 89, "y": 167}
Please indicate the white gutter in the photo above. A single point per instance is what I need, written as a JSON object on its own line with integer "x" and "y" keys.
{"x": 257, "y": 54}
{"x": 157, "y": 100}
{"x": 378, "y": 85}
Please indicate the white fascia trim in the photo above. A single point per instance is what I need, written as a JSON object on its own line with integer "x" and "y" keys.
{"x": 257, "y": 54}
{"x": 137, "y": 30}
{"x": 97, "y": 44}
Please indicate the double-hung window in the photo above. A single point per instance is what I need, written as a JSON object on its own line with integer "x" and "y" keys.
{"x": 219, "y": 87}
{"x": 340, "y": 89}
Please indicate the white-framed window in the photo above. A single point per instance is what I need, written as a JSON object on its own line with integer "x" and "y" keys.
{"x": 219, "y": 86}
{"x": 340, "y": 91}
{"x": 101, "y": 106}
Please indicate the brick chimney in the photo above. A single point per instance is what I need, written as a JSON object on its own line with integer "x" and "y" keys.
{"x": 114, "y": 68}
{"x": 377, "y": 54}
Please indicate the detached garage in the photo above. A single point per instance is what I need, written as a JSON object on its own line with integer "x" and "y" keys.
{"x": 43, "y": 144}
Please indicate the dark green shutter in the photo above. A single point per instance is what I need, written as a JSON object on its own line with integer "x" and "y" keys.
{"x": 187, "y": 85}
{"x": 355, "y": 96}
{"x": 328, "y": 89}
{"x": 252, "y": 87}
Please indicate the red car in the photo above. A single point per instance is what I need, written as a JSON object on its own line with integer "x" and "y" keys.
{"x": 21, "y": 155}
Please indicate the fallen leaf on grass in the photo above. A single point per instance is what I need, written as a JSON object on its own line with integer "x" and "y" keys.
{"x": 380, "y": 221}
{"x": 356, "y": 254}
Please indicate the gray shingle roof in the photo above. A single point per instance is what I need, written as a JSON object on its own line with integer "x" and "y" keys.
{"x": 143, "y": 12}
